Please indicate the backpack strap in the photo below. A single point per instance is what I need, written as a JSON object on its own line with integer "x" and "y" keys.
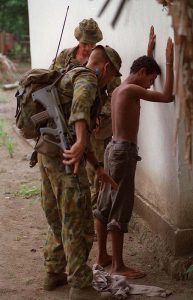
{"x": 58, "y": 79}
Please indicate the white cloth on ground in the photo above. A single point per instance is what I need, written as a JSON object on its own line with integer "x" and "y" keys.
{"x": 120, "y": 288}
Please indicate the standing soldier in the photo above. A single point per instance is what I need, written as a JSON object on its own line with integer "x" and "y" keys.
{"x": 67, "y": 209}
{"x": 88, "y": 34}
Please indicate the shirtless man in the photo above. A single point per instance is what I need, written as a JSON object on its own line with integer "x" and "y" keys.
{"x": 114, "y": 208}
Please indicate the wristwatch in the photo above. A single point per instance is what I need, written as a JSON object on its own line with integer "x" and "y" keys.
{"x": 98, "y": 165}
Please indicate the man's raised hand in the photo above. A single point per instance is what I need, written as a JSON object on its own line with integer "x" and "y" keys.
{"x": 151, "y": 43}
{"x": 169, "y": 52}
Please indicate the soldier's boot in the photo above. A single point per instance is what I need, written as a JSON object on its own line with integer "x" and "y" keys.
{"x": 53, "y": 280}
{"x": 88, "y": 293}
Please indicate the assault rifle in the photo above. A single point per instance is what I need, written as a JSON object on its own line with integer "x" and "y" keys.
{"x": 63, "y": 138}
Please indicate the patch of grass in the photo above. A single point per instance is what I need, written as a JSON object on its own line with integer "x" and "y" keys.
{"x": 28, "y": 191}
{"x": 2, "y": 133}
{"x": 10, "y": 143}
{"x": 6, "y": 140}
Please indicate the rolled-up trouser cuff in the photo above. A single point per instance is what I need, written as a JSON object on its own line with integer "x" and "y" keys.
{"x": 114, "y": 225}
{"x": 97, "y": 214}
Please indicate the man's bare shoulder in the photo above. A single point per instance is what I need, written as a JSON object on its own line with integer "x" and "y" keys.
{"x": 128, "y": 90}
{"x": 131, "y": 87}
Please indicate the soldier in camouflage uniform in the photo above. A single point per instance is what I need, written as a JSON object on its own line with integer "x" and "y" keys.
{"x": 88, "y": 34}
{"x": 68, "y": 209}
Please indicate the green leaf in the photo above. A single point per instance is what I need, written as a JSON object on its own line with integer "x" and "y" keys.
{"x": 190, "y": 269}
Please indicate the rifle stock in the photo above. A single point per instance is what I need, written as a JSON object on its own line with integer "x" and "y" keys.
{"x": 48, "y": 97}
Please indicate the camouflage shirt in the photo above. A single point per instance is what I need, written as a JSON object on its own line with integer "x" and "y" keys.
{"x": 78, "y": 90}
{"x": 65, "y": 58}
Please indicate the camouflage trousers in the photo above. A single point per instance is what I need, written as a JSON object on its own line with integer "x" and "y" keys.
{"x": 98, "y": 149}
{"x": 70, "y": 220}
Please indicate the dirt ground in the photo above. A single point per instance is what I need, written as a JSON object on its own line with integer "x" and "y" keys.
{"x": 23, "y": 226}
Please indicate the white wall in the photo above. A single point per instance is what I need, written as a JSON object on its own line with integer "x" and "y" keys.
{"x": 157, "y": 174}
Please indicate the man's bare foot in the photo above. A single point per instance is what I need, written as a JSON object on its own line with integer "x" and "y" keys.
{"x": 130, "y": 273}
{"x": 105, "y": 261}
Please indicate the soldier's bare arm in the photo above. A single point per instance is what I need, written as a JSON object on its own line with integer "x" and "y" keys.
{"x": 75, "y": 154}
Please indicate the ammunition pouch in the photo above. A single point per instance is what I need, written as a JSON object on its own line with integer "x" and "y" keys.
{"x": 46, "y": 148}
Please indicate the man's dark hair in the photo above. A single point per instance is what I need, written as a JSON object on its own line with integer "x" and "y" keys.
{"x": 146, "y": 62}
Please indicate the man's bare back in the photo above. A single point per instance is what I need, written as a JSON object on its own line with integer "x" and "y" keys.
{"x": 125, "y": 109}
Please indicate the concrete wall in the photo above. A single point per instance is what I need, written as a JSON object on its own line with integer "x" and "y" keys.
{"x": 161, "y": 179}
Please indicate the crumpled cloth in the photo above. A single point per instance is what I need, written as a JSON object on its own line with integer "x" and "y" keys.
{"x": 120, "y": 288}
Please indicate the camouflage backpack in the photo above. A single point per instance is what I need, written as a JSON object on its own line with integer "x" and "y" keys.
{"x": 32, "y": 81}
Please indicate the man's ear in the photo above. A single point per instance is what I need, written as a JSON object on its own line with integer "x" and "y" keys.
{"x": 142, "y": 71}
{"x": 107, "y": 67}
